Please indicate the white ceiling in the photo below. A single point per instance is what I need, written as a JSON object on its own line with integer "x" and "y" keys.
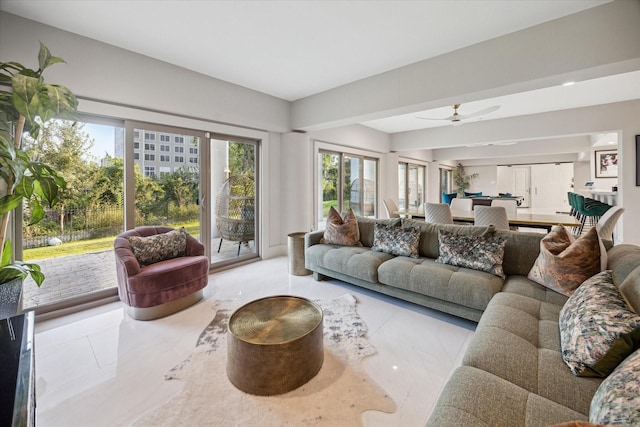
{"x": 294, "y": 49}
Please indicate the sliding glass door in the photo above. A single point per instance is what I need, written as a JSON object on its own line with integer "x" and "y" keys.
{"x": 234, "y": 199}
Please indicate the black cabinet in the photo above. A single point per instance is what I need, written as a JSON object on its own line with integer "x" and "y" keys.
{"x": 17, "y": 371}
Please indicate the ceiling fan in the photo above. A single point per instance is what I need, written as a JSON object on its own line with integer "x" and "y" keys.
{"x": 456, "y": 118}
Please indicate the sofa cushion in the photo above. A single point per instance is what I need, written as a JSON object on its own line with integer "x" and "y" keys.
{"x": 483, "y": 253}
{"x": 396, "y": 240}
{"x": 518, "y": 340}
{"x": 459, "y": 285}
{"x": 473, "y": 397}
{"x": 565, "y": 262}
{"x": 617, "y": 400}
{"x": 341, "y": 231}
{"x": 522, "y": 285}
{"x": 359, "y": 262}
{"x": 598, "y": 330}
{"x": 159, "y": 247}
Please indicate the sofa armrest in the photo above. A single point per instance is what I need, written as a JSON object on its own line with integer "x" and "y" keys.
{"x": 313, "y": 238}
{"x": 124, "y": 253}
{"x": 194, "y": 247}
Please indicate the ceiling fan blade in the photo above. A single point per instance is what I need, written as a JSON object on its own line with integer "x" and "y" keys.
{"x": 479, "y": 113}
{"x": 433, "y": 118}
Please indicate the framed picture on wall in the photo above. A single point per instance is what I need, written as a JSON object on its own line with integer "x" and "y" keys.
{"x": 606, "y": 164}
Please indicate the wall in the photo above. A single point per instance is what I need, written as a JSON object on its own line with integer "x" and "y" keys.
{"x": 153, "y": 91}
{"x": 95, "y": 70}
{"x": 486, "y": 182}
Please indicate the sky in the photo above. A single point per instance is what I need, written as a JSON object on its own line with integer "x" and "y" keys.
{"x": 103, "y": 136}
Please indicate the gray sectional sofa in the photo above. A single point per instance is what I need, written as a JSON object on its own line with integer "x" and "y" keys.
{"x": 513, "y": 373}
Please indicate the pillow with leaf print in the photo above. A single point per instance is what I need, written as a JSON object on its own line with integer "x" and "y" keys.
{"x": 483, "y": 253}
{"x": 598, "y": 330}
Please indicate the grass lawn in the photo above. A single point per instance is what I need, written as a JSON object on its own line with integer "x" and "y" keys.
{"x": 84, "y": 246}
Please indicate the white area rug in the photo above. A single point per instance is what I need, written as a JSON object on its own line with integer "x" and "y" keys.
{"x": 337, "y": 396}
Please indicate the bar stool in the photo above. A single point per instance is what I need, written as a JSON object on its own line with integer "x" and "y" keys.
{"x": 593, "y": 211}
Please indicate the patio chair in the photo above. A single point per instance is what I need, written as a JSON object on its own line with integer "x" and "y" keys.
{"x": 235, "y": 210}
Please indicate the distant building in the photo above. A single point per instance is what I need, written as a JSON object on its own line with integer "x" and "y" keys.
{"x": 161, "y": 153}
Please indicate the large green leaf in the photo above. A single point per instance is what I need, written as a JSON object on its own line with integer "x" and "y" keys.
{"x": 25, "y": 187}
{"x": 56, "y": 101}
{"x": 12, "y": 271}
{"x": 37, "y": 212}
{"x": 46, "y": 188}
{"x": 9, "y": 203}
{"x": 45, "y": 59}
{"x": 7, "y": 253}
{"x": 26, "y": 97}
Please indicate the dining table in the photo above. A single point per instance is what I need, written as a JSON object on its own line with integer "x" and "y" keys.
{"x": 521, "y": 219}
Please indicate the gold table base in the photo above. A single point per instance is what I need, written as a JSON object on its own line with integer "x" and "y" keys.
{"x": 274, "y": 345}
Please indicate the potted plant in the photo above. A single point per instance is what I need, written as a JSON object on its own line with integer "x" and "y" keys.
{"x": 30, "y": 103}
{"x": 462, "y": 180}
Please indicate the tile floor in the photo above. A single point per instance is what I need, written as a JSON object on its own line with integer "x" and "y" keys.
{"x": 101, "y": 368}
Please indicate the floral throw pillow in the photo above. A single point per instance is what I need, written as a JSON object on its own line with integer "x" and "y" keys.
{"x": 617, "y": 400}
{"x": 159, "y": 247}
{"x": 484, "y": 253}
{"x": 396, "y": 240}
{"x": 341, "y": 231}
{"x": 597, "y": 328}
{"x": 565, "y": 262}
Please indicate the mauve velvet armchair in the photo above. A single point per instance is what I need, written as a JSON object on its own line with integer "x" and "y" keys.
{"x": 162, "y": 288}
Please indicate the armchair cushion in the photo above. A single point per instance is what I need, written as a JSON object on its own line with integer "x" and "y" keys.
{"x": 159, "y": 247}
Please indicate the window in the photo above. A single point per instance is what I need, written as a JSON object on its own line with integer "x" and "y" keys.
{"x": 179, "y": 139}
{"x": 347, "y": 182}
{"x": 149, "y": 136}
{"x": 193, "y": 150}
{"x": 136, "y": 135}
{"x": 178, "y": 149}
{"x": 150, "y": 157}
{"x": 178, "y": 159}
{"x": 150, "y": 147}
{"x": 165, "y": 138}
{"x": 165, "y": 148}
{"x": 136, "y": 156}
{"x": 136, "y": 145}
{"x": 193, "y": 160}
{"x": 411, "y": 185}
{"x": 164, "y": 158}
{"x": 149, "y": 171}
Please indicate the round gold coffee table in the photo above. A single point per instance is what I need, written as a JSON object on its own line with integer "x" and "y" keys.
{"x": 274, "y": 345}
